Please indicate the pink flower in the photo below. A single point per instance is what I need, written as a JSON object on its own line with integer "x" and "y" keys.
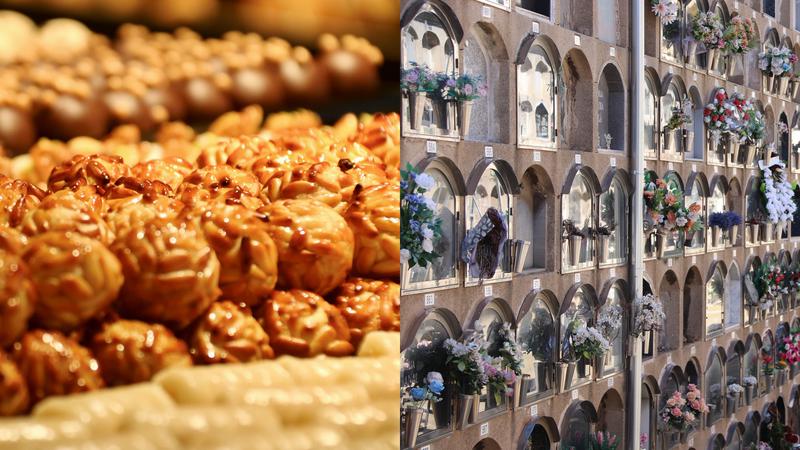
{"x": 676, "y": 412}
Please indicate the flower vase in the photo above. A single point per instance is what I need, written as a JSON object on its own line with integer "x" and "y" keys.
{"x": 781, "y": 378}
{"x": 574, "y": 248}
{"x": 521, "y": 248}
{"x": 768, "y": 382}
{"x": 443, "y": 410}
{"x": 713, "y": 59}
{"x": 670, "y": 139}
{"x": 566, "y": 373}
{"x": 604, "y": 242}
{"x": 730, "y": 404}
{"x": 734, "y": 147}
{"x": 733, "y": 234}
{"x": 441, "y": 113}
{"x": 796, "y": 159}
{"x": 600, "y": 364}
{"x": 518, "y": 384}
{"x": 464, "y": 413}
{"x": 716, "y": 236}
{"x": 749, "y": 154}
{"x": 661, "y": 244}
{"x": 748, "y": 394}
{"x": 413, "y": 422}
{"x": 688, "y": 140}
{"x": 690, "y": 52}
{"x": 416, "y": 107}
{"x": 783, "y": 84}
{"x": 464, "y": 116}
{"x": 767, "y": 231}
{"x": 752, "y": 230}
{"x": 767, "y": 81}
{"x": 732, "y": 62}
{"x": 688, "y": 237}
{"x": 794, "y": 85}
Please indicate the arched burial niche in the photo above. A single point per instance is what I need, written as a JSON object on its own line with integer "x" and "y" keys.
{"x": 489, "y": 192}
{"x": 733, "y": 296}
{"x": 750, "y": 366}
{"x": 700, "y": 57}
{"x": 670, "y": 296}
{"x": 752, "y": 73}
{"x": 754, "y": 212}
{"x": 735, "y": 203}
{"x": 537, "y": 340}
{"x": 694, "y": 197}
{"x": 715, "y": 396}
{"x": 715, "y": 304}
{"x": 429, "y": 37}
{"x": 539, "y": 434}
{"x": 650, "y": 112}
{"x": 577, "y": 425}
{"x": 716, "y": 204}
{"x": 734, "y": 439}
{"x": 487, "y": 444}
{"x": 578, "y": 197}
{"x": 613, "y": 298}
{"x": 577, "y": 98}
{"x": 485, "y": 55}
{"x": 422, "y": 352}
{"x": 749, "y": 293}
{"x": 794, "y": 135}
{"x": 577, "y": 15}
{"x": 717, "y": 442}
{"x": 672, "y": 38}
{"x": 767, "y": 354}
{"x": 613, "y": 226}
{"x": 733, "y": 375}
{"x": 448, "y": 186}
{"x": 611, "y": 109}
{"x": 693, "y": 295}
{"x": 537, "y": 107}
{"x": 535, "y": 206}
{"x": 698, "y": 126}
{"x": 490, "y": 317}
{"x": 673, "y": 95}
{"x": 751, "y": 426}
{"x": 649, "y": 413}
{"x": 672, "y": 380}
{"x": 769, "y": 123}
{"x": 611, "y": 415}
{"x": 782, "y": 144}
{"x": 577, "y": 310}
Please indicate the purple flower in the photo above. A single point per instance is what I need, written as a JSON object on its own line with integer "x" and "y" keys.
{"x": 468, "y": 89}
{"x": 412, "y": 76}
{"x": 451, "y": 82}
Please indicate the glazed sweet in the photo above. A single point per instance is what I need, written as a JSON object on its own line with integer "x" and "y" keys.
{"x": 14, "y": 398}
{"x": 171, "y": 273}
{"x": 76, "y": 278}
{"x": 301, "y": 323}
{"x": 65, "y": 211}
{"x": 54, "y": 364}
{"x": 131, "y": 351}
{"x": 170, "y": 170}
{"x": 320, "y": 181}
{"x": 99, "y": 170}
{"x": 315, "y": 245}
{"x": 368, "y": 305}
{"x": 17, "y": 298}
{"x": 374, "y": 216}
{"x": 227, "y": 333}
{"x": 248, "y": 257}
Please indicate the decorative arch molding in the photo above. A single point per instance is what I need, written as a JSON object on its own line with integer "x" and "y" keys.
{"x": 547, "y": 423}
{"x": 721, "y": 181}
{"x": 587, "y": 172}
{"x": 502, "y": 307}
{"x": 573, "y": 290}
{"x": 444, "y": 315}
{"x": 503, "y": 168}
{"x": 698, "y": 176}
{"x": 531, "y": 39}
{"x": 621, "y": 282}
{"x": 450, "y": 168}
{"x": 547, "y": 295}
{"x": 441, "y": 8}
{"x": 611, "y": 174}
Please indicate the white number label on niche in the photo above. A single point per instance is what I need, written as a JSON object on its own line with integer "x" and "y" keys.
{"x": 487, "y": 291}
{"x": 430, "y": 147}
{"x": 537, "y": 284}
{"x": 430, "y": 299}
{"x": 484, "y": 429}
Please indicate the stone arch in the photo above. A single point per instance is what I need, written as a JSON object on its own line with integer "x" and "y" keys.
{"x": 577, "y": 100}
{"x": 611, "y": 415}
{"x": 693, "y": 299}
{"x": 485, "y": 55}
{"x": 611, "y": 111}
{"x": 535, "y": 209}
{"x": 669, "y": 292}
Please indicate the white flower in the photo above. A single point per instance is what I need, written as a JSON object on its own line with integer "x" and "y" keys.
{"x": 427, "y": 245}
{"x": 427, "y": 233}
{"x": 429, "y": 203}
{"x": 405, "y": 255}
{"x": 425, "y": 181}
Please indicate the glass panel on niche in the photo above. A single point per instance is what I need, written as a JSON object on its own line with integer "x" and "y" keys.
{"x": 714, "y": 395}
{"x": 491, "y": 192}
{"x": 577, "y": 207}
{"x": 578, "y": 314}
{"x": 537, "y": 99}
{"x": 536, "y": 336}
{"x": 715, "y": 308}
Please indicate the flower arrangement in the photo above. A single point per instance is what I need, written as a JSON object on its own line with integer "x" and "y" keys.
{"x": 465, "y": 362}
{"x": 419, "y": 226}
{"x": 468, "y": 87}
{"x": 750, "y": 381}
{"x": 682, "y": 411}
{"x": 649, "y": 315}
{"x": 665, "y": 207}
{"x": 604, "y": 440}
{"x": 417, "y": 396}
{"x": 767, "y": 365}
{"x": 707, "y": 28}
{"x": 724, "y": 220}
{"x": 585, "y": 342}
{"x": 760, "y": 446}
{"x": 666, "y": 10}
{"x": 783, "y": 128}
{"x": 508, "y": 352}
{"x": 721, "y": 115}
{"x": 681, "y": 115}
{"x": 643, "y": 439}
{"x": 694, "y": 401}
{"x": 770, "y": 282}
{"x": 498, "y": 380}
{"x": 735, "y": 388}
{"x": 610, "y": 321}
{"x": 777, "y": 193}
{"x": 789, "y": 350}
{"x": 777, "y": 61}
{"x": 740, "y": 35}
{"x": 418, "y": 78}
{"x": 570, "y": 229}
{"x": 752, "y": 127}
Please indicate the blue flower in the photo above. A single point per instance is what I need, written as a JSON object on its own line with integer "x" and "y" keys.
{"x": 418, "y": 393}
{"x": 436, "y": 386}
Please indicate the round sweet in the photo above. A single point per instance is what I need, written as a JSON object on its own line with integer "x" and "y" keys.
{"x": 125, "y": 107}
{"x": 315, "y": 245}
{"x": 170, "y": 171}
{"x": 171, "y": 272}
{"x": 365, "y": 174}
{"x": 204, "y": 99}
{"x": 66, "y": 211}
{"x": 350, "y": 73}
{"x": 17, "y": 298}
{"x": 303, "y": 324}
{"x": 68, "y": 116}
{"x": 127, "y": 212}
{"x": 130, "y": 351}
{"x": 246, "y": 252}
{"x": 257, "y": 86}
{"x": 53, "y": 364}
{"x": 246, "y": 122}
{"x": 320, "y": 181}
{"x": 226, "y": 333}
{"x": 98, "y": 170}
{"x": 17, "y": 130}
{"x": 368, "y": 305}
{"x": 12, "y": 240}
{"x": 76, "y": 278}
{"x": 374, "y": 216}
{"x": 305, "y": 83}
{"x": 63, "y": 40}
{"x": 17, "y": 199}
{"x": 220, "y": 179}
{"x": 14, "y": 398}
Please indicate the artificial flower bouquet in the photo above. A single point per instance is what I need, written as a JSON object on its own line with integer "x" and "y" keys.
{"x": 707, "y": 29}
{"x": 724, "y": 220}
{"x": 777, "y": 61}
{"x": 750, "y": 381}
{"x": 721, "y": 116}
{"x": 681, "y": 115}
{"x": 508, "y": 353}
{"x": 464, "y": 88}
{"x": 649, "y": 315}
{"x": 681, "y": 412}
{"x": 740, "y": 36}
{"x": 665, "y": 207}
{"x": 735, "y": 389}
{"x": 498, "y": 380}
{"x": 666, "y": 10}
{"x": 777, "y": 192}
{"x": 767, "y": 365}
{"x": 420, "y": 229}
{"x": 604, "y": 440}
{"x": 418, "y": 78}
{"x": 417, "y": 396}
{"x": 770, "y": 282}
{"x": 609, "y": 322}
{"x": 465, "y": 363}
{"x": 585, "y": 342}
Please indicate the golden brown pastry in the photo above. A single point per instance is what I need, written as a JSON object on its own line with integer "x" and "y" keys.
{"x": 364, "y": 174}
{"x": 64, "y": 210}
{"x": 130, "y": 351}
{"x": 99, "y": 170}
{"x": 320, "y": 181}
{"x": 14, "y": 397}
{"x": 303, "y": 324}
{"x": 236, "y": 123}
{"x": 17, "y": 198}
{"x": 226, "y": 333}
{"x": 53, "y": 364}
{"x": 374, "y": 216}
{"x": 76, "y": 278}
{"x": 248, "y": 257}
{"x": 220, "y": 179}
{"x": 171, "y": 171}
{"x": 171, "y": 272}
{"x": 129, "y": 206}
{"x": 369, "y": 305}
{"x": 17, "y": 298}
{"x": 315, "y": 245}
{"x": 12, "y": 240}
